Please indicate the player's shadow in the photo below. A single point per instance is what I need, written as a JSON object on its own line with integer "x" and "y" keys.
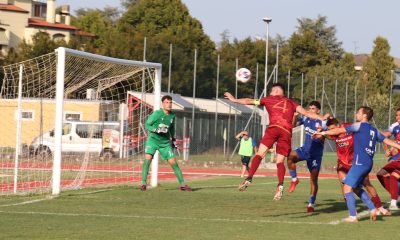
{"x": 195, "y": 189}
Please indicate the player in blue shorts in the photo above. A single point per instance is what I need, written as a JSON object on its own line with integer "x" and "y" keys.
{"x": 311, "y": 152}
{"x": 365, "y": 137}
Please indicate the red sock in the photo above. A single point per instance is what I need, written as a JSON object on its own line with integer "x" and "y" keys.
{"x": 394, "y": 188}
{"x": 385, "y": 182}
{"x": 281, "y": 172}
{"x": 377, "y": 201}
{"x": 255, "y": 162}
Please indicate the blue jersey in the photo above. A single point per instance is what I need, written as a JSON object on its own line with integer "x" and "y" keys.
{"x": 315, "y": 146}
{"x": 394, "y": 129}
{"x": 365, "y": 138}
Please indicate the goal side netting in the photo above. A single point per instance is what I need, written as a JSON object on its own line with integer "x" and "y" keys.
{"x": 67, "y": 121}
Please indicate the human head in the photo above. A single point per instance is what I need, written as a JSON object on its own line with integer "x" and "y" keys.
{"x": 332, "y": 123}
{"x": 166, "y": 103}
{"x": 398, "y": 115}
{"x": 245, "y": 134}
{"x": 364, "y": 113}
{"x": 314, "y": 106}
{"x": 277, "y": 89}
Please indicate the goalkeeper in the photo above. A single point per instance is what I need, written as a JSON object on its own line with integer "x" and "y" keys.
{"x": 162, "y": 131}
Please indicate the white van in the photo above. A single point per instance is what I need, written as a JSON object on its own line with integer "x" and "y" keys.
{"x": 80, "y": 137}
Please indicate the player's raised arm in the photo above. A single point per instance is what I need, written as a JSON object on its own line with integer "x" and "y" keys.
{"x": 312, "y": 115}
{"x": 244, "y": 101}
{"x": 335, "y": 131}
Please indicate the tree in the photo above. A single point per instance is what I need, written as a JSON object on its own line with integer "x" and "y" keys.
{"x": 325, "y": 34}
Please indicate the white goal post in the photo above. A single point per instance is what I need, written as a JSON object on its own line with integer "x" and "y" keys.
{"x": 65, "y": 122}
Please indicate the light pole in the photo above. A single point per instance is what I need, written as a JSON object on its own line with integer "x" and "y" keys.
{"x": 267, "y": 20}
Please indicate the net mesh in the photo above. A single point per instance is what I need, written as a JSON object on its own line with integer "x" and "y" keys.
{"x": 102, "y": 131}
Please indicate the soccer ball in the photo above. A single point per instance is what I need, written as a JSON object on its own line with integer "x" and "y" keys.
{"x": 243, "y": 75}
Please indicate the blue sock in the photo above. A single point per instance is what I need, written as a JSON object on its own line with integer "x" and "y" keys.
{"x": 312, "y": 199}
{"x": 363, "y": 195}
{"x": 293, "y": 173}
{"x": 351, "y": 203}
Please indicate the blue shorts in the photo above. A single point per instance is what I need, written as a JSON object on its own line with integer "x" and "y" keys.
{"x": 355, "y": 177}
{"x": 313, "y": 160}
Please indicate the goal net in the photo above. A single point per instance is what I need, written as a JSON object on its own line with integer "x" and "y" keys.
{"x": 67, "y": 121}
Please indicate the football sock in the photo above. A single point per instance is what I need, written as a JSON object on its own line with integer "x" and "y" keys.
{"x": 394, "y": 187}
{"x": 363, "y": 195}
{"x": 384, "y": 182}
{"x": 293, "y": 174}
{"x": 281, "y": 172}
{"x": 377, "y": 201}
{"x": 178, "y": 173}
{"x": 145, "y": 171}
{"x": 351, "y": 204}
{"x": 255, "y": 162}
{"x": 393, "y": 202}
{"x": 312, "y": 199}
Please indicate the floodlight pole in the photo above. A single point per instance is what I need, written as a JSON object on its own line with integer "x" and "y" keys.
{"x": 267, "y": 20}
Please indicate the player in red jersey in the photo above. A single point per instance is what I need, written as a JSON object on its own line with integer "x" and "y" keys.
{"x": 344, "y": 150}
{"x": 280, "y": 110}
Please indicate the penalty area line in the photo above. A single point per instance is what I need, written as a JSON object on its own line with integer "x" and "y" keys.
{"x": 26, "y": 202}
{"x": 168, "y": 218}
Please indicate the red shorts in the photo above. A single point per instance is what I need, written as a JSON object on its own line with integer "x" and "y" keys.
{"x": 282, "y": 138}
{"x": 342, "y": 167}
{"x": 392, "y": 166}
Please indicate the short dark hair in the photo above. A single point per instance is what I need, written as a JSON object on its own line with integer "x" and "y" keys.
{"x": 398, "y": 109}
{"x": 279, "y": 85}
{"x": 367, "y": 111}
{"x": 168, "y": 97}
{"x": 332, "y": 121}
{"x": 315, "y": 103}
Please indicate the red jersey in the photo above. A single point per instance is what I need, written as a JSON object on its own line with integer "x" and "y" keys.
{"x": 280, "y": 110}
{"x": 344, "y": 147}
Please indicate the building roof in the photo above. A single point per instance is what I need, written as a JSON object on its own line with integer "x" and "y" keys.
{"x": 12, "y": 8}
{"x": 84, "y": 34}
{"x": 360, "y": 60}
{"x": 34, "y": 22}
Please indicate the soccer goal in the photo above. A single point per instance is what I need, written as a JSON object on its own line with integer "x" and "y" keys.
{"x": 66, "y": 122}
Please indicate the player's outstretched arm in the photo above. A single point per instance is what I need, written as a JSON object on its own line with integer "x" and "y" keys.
{"x": 391, "y": 143}
{"x": 312, "y": 115}
{"x": 332, "y": 132}
{"x": 244, "y": 101}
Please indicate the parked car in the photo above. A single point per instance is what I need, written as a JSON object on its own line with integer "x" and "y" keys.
{"x": 81, "y": 137}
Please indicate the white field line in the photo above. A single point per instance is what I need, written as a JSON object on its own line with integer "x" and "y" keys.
{"x": 168, "y": 218}
{"x": 360, "y": 215}
{"x": 26, "y": 202}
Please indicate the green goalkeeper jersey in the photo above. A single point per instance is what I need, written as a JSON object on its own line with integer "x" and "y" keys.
{"x": 158, "y": 119}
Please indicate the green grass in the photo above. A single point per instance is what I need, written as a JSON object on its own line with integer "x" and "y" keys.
{"x": 214, "y": 210}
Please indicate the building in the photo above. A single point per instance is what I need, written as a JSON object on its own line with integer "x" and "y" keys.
{"x": 22, "y": 19}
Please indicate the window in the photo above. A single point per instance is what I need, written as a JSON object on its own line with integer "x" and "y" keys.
{"x": 26, "y": 115}
{"x": 110, "y": 116}
{"x": 89, "y": 131}
{"x": 72, "y": 116}
{"x": 39, "y": 10}
{"x": 59, "y": 37}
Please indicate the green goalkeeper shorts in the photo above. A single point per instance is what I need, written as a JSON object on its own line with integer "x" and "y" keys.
{"x": 165, "y": 150}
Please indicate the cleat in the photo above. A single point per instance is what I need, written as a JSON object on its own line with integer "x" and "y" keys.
{"x": 278, "y": 193}
{"x": 350, "y": 219}
{"x": 310, "y": 209}
{"x": 393, "y": 208}
{"x": 143, "y": 188}
{"x": 185, "y": 188}
{"x": 243, "y": 186}
{"x": 293, "y": 185}
{"x": 384, "y": 212}
{"x": 373, "y": 214}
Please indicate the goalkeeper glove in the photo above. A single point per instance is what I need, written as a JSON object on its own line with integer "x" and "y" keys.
{"x": 173, "y": 143}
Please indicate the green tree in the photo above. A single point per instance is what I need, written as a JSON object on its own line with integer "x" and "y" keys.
{"x": 324, "y": 33}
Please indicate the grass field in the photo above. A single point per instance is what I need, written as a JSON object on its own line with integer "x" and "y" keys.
{"x": 214, "y": 210}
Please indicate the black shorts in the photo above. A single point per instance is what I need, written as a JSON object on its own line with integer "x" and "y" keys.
{"x": 245, "y": 160}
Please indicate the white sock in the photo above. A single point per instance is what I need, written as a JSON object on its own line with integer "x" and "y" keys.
{"x": 294, "y": 179}
{"x": 393, "y": 202}
{"x": 310, "y": 205}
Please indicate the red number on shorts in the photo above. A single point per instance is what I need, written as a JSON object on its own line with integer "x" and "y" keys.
{"x": 281, "y": 105}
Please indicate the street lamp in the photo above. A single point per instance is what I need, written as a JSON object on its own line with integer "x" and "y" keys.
{"x": 267, "y": 20}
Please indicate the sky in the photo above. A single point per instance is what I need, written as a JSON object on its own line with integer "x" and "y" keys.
{"x": 358, "y": 22}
